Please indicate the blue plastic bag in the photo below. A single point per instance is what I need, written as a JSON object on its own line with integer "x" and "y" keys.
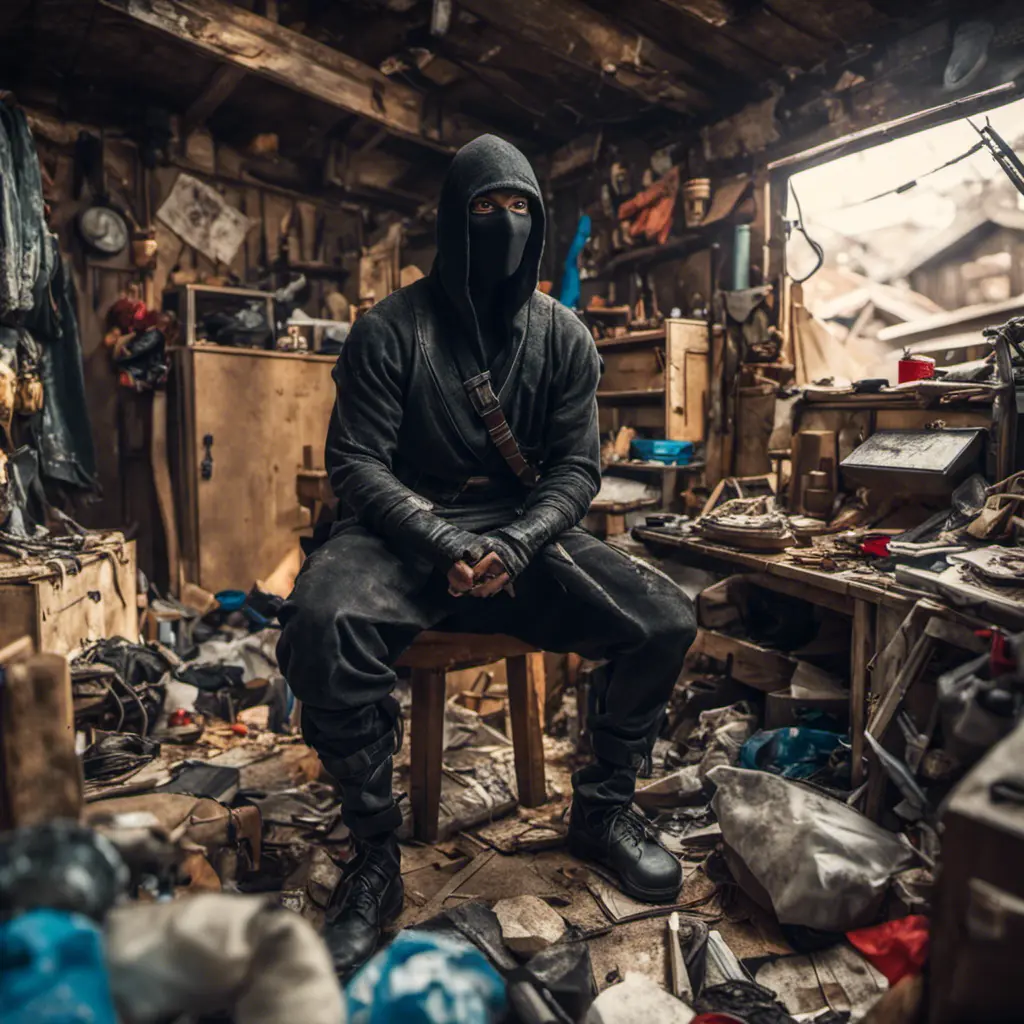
{"x": 52, "y": 970}
{"x": 424, "y": 978}
{"x": 793, "y": 752}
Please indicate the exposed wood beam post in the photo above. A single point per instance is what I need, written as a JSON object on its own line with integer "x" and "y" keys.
{"x": 223, "y": 83}
{"x": 580, "y": 35}
{"x": 261, "y": 46}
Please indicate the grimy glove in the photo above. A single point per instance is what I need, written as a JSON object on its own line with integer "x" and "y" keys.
{"x": 437, "y": 540}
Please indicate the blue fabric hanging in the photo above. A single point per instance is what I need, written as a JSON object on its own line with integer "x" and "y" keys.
{"x": 570, "y": 295}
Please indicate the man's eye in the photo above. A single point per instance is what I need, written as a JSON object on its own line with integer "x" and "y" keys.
{"x": 483, "y": 206}
{"x": 520, "y": 206}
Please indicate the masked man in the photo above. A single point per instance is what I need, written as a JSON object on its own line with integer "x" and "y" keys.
{"x": 464, "y": 452}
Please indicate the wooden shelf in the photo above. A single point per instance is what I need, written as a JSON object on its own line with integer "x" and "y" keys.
{"x": 655, "y": 467}
{"x": 649, "y": 255}
{"x": 317, "y": 269}
{"x": 633, "y": 338}
{"x": 631, "y": 396}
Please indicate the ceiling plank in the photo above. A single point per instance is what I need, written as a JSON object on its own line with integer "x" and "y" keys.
{"x": 714, "y": 12}
{"x": 582, "y": 36}
{"x": 263, "y": 47}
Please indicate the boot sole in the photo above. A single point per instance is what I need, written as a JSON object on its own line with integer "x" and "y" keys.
{"x": 584, "y": 849}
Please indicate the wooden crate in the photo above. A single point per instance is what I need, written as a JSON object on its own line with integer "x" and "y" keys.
{"x": 100, "y": 601}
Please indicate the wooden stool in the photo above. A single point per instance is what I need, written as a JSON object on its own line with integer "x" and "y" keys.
{"x": 431, "y": 657}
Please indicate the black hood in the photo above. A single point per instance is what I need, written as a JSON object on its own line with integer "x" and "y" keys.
{"x": 486, "y": 163}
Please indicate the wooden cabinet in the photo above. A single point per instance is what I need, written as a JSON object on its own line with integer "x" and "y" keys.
{"x": 687, "y": 377}
{"x": 240, "y": 419}
{"x": 656, "y": 381}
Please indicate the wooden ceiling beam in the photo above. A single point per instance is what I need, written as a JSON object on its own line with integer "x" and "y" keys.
{"x": 261, "y": 46}
{"x": 586, "y": 38}
{"x": 713, "y": 12}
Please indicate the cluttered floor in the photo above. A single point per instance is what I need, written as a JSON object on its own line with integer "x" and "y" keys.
{"x": 795, "y": 904}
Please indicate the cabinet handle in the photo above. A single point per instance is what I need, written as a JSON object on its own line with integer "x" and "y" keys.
{"x": 206, "y": 466}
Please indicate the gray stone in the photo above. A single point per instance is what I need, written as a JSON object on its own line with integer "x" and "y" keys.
{"x": 528, "y": 924}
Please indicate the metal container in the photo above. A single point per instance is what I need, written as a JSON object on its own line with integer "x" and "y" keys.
{"x": 930, "y": 462}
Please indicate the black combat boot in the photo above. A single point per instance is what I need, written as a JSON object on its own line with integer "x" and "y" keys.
{"x": 603, "y": 829}
{"x": 368, "y": 898}
{"x": 621, "y": 842}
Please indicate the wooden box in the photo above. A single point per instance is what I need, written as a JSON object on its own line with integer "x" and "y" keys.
{"x": 100, "y": 601}
{"x": 239, "y": 421}
{"x": 978, "y": 924}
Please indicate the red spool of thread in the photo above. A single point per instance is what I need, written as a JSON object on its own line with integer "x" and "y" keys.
{"x": 916, "y": 368}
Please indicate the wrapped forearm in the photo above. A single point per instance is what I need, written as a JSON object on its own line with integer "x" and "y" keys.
{"x": 558, "y": 503}
{"x": 571, "y": 466}
{"x": 432, "y": 537}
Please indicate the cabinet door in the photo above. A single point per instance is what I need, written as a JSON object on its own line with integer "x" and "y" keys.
{"x": 686, "y": 380}
{"x": 257, "y": 410}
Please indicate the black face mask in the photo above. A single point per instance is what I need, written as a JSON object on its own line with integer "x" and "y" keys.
{"x": 497, "y": 241}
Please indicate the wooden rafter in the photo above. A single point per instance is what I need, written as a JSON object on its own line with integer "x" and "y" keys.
{"x": 262, "y": 47}
{"x": 584, "y": 37}
{"x": 714, "y": 12}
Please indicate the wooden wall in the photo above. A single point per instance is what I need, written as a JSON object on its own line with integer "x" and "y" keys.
{"x": 120, "y": 418}
{"x": 956, "y": 280}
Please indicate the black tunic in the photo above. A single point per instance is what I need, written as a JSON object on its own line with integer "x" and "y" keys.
{"x": 404, "y": 437}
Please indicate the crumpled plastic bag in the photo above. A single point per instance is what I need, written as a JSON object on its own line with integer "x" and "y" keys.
{"x": 822, "y": 864}
{"x": 220, "y": 952}
{"x": 426, "y": 978}
{"x": 721, "y": 733}
{"x": 793, "y": 752}
{"x": 51, "y": 969}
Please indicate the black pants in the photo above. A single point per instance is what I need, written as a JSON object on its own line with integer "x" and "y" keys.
{"x": 357, "y": 605}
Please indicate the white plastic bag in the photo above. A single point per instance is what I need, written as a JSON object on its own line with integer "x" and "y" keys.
{"x": 822, "y": 864}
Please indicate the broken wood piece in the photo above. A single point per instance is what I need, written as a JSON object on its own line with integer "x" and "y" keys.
{"x": 436, "y": 905}
{"x": 682, "y": 988}
{"x": 917, "y": 661}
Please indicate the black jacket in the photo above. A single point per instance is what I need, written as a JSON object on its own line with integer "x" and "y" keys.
{"x": 407, "y": 455}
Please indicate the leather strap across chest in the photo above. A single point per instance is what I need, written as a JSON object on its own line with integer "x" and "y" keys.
{"x": 486, "y": 405}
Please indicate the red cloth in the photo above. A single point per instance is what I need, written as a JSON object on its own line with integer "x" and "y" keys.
{"x": 876, "y": 546}
{"x": 651, "y": 210}
{"x": 897, "y": 948}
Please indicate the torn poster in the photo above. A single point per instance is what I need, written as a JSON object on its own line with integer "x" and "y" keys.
{"x": 201, "y": 217}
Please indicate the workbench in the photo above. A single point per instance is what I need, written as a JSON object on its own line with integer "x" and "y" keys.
{"x": 876, "y": 605}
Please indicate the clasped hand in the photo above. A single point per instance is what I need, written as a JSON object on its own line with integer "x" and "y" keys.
{"x": 485, "y": 579}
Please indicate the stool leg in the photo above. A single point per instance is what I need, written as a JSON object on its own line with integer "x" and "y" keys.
{"x": 525, "y": 693}
{"x": 427, "y": 749}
